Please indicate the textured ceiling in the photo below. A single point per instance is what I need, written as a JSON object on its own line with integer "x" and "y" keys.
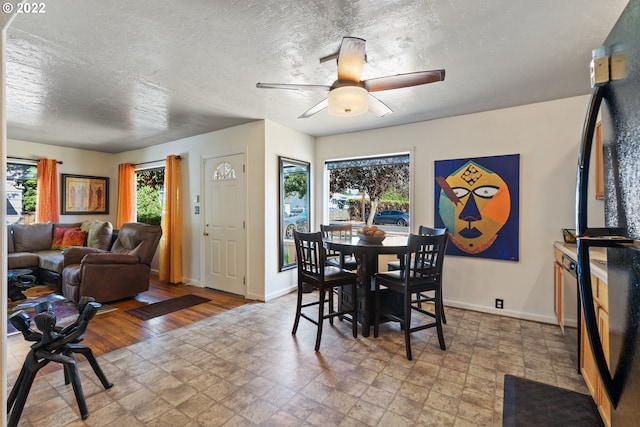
{"x": 122, "y": 74}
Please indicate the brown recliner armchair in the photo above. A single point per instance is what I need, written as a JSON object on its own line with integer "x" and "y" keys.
{"x": 111, "y": 275}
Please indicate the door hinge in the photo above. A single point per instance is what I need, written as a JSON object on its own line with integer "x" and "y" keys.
{"x": 243, "y": 169}
{"x": 244, "y": 280}
{"x": 244, "y": 225}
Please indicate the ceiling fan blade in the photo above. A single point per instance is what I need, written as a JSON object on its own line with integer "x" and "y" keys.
{"x": 351, "y": 59}
{"x": 403, "y": 80}
{"x": 315, "y": 109}
{"x": 378, "y": 107}
{"x": 292, "y": 86}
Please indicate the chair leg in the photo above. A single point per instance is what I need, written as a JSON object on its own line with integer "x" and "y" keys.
{"x": 376, "y": 324}
{"x": 439, "y": 310}
{"x": 407, "y": 323}
{"x": 331, "y": 311}
{"x": 298, "y": 311}
{"x": 444, "y": 318}
{"x": 320, "y": 317}
{"x": 354, "y": 313}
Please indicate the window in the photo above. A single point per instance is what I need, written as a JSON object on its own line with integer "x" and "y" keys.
{"x": 149, "y": 195}
{"x": 21, "y": 192}
{"x": 360, "y": 186}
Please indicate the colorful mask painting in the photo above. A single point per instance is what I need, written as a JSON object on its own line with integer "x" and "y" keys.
{"x": 477, "y": 200}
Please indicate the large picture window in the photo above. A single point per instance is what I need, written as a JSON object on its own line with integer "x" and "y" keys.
{"x": 370, "y": 191}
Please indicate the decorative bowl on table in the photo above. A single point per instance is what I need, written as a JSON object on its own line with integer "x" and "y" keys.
{"x": 371, "y": 235}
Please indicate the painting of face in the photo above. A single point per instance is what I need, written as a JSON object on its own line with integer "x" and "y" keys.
{"x": 474, "y": 203}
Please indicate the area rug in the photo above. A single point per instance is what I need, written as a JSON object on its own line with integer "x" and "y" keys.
{"x": 165, "y": 307}
{"x": 65, "y": 310}
{"x": 531, "y": 403}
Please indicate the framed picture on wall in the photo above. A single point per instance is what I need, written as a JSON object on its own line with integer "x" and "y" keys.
{"x": 82, "y": 194}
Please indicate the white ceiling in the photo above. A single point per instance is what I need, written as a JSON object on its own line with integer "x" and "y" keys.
{"x": 122, "y": 74}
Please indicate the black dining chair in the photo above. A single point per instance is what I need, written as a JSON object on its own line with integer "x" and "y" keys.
{"x": 396, "y": 265}
{"x": 312, "y": 270}
{"x": 336, "y": 258}
{"x": 422, "y": 272}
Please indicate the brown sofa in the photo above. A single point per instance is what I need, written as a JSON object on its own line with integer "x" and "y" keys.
{"x": 29, "y": 246}
{"x": 109, "y": 275}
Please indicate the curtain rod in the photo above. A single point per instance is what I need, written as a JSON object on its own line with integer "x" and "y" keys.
{"x": 31, "y": 160}
{"x": 153, "y": 161}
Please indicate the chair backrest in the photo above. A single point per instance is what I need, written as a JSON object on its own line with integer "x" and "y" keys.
{"x": 310, "y": 253}
{"x": 336, "y": 230}
{"x": 343, "y": 231}
{"x": 426, "y": 255}
{"x": 428, "y": 231}
{"x": 139, "y": 239}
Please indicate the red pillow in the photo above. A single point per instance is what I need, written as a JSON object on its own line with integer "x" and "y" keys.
{"x": 74, "y": 237}
{"x": 58, "y": 235}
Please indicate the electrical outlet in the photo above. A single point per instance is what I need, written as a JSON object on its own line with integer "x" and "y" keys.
{"x": 499, "y": 303}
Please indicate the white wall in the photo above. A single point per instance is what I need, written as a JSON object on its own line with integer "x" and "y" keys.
{"x": 547, "y": 137}
{"x": 280, "y": 141}
{"x": 74, "y": 162}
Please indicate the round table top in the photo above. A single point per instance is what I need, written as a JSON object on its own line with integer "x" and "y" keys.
{"x": 391, "y": 244}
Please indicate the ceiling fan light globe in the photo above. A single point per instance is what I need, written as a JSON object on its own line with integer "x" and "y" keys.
{"x": 348, "y": 101}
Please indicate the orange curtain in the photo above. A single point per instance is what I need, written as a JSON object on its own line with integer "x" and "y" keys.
{"x": 47, "y": 199}
{"x": 126, "y": 194}
{"x": 171, "y": 241}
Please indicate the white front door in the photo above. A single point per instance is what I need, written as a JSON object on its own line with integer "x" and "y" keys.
{"x": 224, "y": 224}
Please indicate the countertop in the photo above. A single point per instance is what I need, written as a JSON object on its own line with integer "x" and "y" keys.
{"x": 598, "y": 258}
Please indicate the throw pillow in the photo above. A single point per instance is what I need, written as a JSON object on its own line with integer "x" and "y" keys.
{"x": 58, "y": 235}
{"x": 98, "y": 234}
{"x": 73, "y": 237}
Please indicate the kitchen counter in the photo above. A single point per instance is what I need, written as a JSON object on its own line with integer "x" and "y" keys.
{"x": 598, "y": 258}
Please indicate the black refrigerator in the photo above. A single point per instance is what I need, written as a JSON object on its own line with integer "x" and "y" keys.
{"x": 616, "y": 97}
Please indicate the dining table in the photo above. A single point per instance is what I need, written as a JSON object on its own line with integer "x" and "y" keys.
{"x": 366, "y": 254}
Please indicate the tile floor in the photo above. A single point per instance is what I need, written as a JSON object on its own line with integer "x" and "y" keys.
{"x": 243, "y": 368}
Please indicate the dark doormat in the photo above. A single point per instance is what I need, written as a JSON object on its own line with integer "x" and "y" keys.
{"x": 165, "y": 307}
{"x": 530, "y": 403}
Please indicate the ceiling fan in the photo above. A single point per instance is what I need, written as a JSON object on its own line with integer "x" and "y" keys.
{"x": 350, "y": 96}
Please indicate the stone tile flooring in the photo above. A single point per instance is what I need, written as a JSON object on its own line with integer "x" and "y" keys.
{"x": 243, "y": 368}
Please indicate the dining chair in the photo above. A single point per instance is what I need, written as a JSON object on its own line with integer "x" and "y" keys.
{"x": 395, "y": 265}
{"x": 336, "y": 258}
{"x": 422, "y": 272}
{"x": 312, "y": 270}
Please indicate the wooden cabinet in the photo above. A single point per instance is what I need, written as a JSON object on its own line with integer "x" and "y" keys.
{"x": 600, "y": 294}
{"x": 587, "y": 362}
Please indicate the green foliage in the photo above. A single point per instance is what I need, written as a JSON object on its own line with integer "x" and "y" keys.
{"x": 295, "y": 183}
{"x": 148, "y": 207}
{"x": 149, "y": 184}
{"x": 29, "y": 196}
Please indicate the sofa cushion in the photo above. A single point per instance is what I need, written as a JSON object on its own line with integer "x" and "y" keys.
{"x": 32, "y": 237}
{"x": 58, "y": 235}
{"x": 16, "y": 260}
{"x": 98, "y": 234}
{"x": 51, "y": 260}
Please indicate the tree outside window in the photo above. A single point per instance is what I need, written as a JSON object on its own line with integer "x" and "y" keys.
{"x": 149, "y": 195}
{"x": 360, "y": 188}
